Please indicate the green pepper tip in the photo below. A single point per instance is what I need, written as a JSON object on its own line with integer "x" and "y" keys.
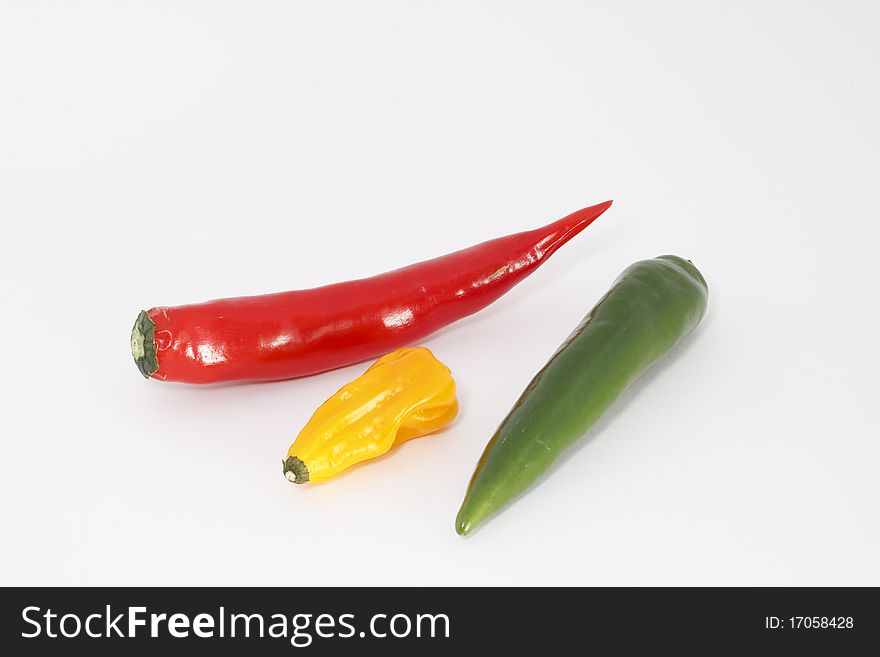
{"x": 468, "y": 518}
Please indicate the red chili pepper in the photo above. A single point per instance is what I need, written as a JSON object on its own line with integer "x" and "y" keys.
{"x": 292, "y": 334}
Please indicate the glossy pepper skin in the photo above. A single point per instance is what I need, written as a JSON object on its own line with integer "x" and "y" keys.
{"x": 293, "y": 334}
{"x": 651, "y": 306}
{"x": 403, "y": 395}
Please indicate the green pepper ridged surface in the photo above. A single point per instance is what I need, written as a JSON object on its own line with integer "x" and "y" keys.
{"x": 651, "y": 306}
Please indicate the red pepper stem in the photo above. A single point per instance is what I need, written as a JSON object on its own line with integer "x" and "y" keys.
{"x": 143, "y": 345}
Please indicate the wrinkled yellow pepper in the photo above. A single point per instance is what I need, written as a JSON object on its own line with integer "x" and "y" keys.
{"x": 403, "y": 395}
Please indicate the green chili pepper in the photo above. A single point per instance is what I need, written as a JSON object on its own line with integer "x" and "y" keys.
{"x": 651, "y": 306}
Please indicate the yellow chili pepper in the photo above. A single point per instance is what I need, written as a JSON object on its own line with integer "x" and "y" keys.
{"x": 403, "y": 395}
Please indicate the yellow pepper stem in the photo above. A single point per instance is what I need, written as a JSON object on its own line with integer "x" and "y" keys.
{"x": 295, "y": 470}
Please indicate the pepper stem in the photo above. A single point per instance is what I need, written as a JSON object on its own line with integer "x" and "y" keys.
{"x": 295, "y": 471}
{"x": 143, "y": 345}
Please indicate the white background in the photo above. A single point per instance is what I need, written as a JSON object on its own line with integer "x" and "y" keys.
{"x": 171, "y": 152}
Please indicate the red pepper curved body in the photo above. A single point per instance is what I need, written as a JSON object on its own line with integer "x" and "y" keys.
{"x": 293, "y": 334}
